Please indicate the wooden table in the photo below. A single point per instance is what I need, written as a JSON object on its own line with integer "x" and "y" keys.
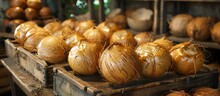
{"x": 23, "y": 83}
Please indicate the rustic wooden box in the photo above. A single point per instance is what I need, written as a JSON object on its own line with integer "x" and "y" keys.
{"x": 11, "y": 49}
{"x": 40, "y": 69}
{"x": 68, "y": 84}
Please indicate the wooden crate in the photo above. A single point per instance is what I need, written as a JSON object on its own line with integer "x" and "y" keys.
{"x": 68, "y": 84}
{"x": 40, "y": 69}
{"x": 11, "y": 49}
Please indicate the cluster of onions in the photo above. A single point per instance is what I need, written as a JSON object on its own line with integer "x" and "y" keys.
{"x": 53, "y": 27}
{"x": 52, "y": 49}
{"x": 215, "y": 32}
{"x": 155, "y": 60}
{"x": 143, "y": 37}
{"x": 187, "y": 58}
{"x": 83, "y": 58}
{"x": 199, "y": 28}
{"x": 119, "y": 64}
{"x": 82, "y": 26}
{"x": 178, "y": 93}
{"x": 21, "y": 31}
{"x": 107, "y": 29}
{"x": 33, "y": 38}
{"x": 178, "y": 24}
{"x": 123, "y": 37}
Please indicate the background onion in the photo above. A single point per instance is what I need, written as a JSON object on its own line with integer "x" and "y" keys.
{"x": 178, "y": 24}
{"x": 83, "y": 58}
{"x": 119, "y": 64}
{"x": 187, "y": 58}
{"x": 107, "y": 29}
{"x": 63, "y": 33}
{"x": 178, "y": 93}
{"x": 215, "y": 32}
{"x": 45, "y": 12}
{"x": 123, "y": 37}
{"x": 18, "y": 3}
{"x": 143, "y": 37}
{"x": 199, "y": 28}
{"x": 70, "y": 22}
{"x": 84, "y": 25}
{"x": 119, "y": 20}
{"x": 33, "y": 38}
{"x": 164, "y": 42}
{"x": 15, "y": 23}
{"x": 31, "y": 13}
{"x": 52, "y": 49}
{"x": 74, "y": 39}
{"x": 155, "y": 60}
{"x": 205, "y": 91}
{"x": 53, "y": 27}
{"x": 36, "y": 4}
{"x": 15, "y": 13}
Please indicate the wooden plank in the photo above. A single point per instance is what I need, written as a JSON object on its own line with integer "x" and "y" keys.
{"x": 6, "y": 35}
{"x": 24, "y": 80}
{"x": 11, "y": 49}
{"x": 5, "y": 89}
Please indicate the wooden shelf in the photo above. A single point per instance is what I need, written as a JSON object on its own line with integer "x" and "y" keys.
{"x": 6, "y": 35}
{"x": 195, "y": 0}
{"x": 207, "y": 44}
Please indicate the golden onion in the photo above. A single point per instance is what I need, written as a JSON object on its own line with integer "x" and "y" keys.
{"x": 164, "y": 42}
{"x": 53, "y": 27}
{"x": 74, "y": 39}
{"x": 143, "y": 37}
{"x": 215, "y": 32}
{"x": 70, "y": 22}
{"x": 82, "y": 26}
{"x": 63, "y": 33}
{"x": 178, "y": 93}
{"x": 107, "y": 29}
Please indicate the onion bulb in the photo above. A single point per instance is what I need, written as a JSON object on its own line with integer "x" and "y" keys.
{"x": 52, "y": 49}
{"x": 36, "y": 4}
{"x": 82, "y": 26}
{"x": 74, "y": 39}
{"x": 94, "y": 35}
{"x": 119, "y": 20}
{"x": 53, "y": 27}
{"x": 21, "y": 31}
{"x": 70, "y": 22}
{"x": 15, "y": 13}
{"x": 205, "y": 91}
{"x": 15, "y": 22}
{"x": 18, "y": 3}
{"x": 187, "y": 58}
{"x": 45, "y": 12}
{"x": 119, "y": 64}
{"x": 31, "y": 13}
{"x": 178, "y": 24}
{"x": 123, "y": 37}
{"x": 33, "y": 38}
{"x": 83, "y": 58}
{"x": 178, "y": 93}
{"x": 155, "y": 60}
{"x": 143, "y": 37}
{"x": 107, "y": 29}
{"x": 215, "y": 32}
{"x": 199, "y": 28}
{"x": 63, "y": 33}
{"x": 164, "y": 42}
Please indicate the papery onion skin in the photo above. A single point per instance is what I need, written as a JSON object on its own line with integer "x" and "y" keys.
{"x": 187, "y": 58}
{"x": 179, "y": 23}
{"x": 123, "y": 37}
{"x": 164, "y": 42}
{"x": 83, "y": 58}
{"x": 119, "y": 64}
{"x": 53, "y": 27}
{"x": 107, "y": 29}
{"x": 72, "y": 23}
{"x": 52, "y": 49}
{"x": 178, "y": 93}
{"x": 82, "y": 26}
{"x": 22, "y": 29}
{"x": 63, "y": 33}
{"x": 155, "y": 60}
{"x": 74, "y": 39}
{"x": 205, "y": 91}
{"x": 33, "y": 38}
{"x": 215, "y": 33}
{"x": 119, "y": 20}
{"x": 143, "y": 37}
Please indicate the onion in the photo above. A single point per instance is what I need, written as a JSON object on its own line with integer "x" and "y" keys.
{"x": 70, "y": 22}
{"x": 36, "y": 4}
{"x": 52, "y": 49}
{"x": 84, "y": 25}
{"x": 107, "y": 29}
{"x": 178, "y": 93}
{"x": 123, "y": 37}
{"x": 83, "y": 58}
{"x": 21, "y": 31}
{"x": 53, "y": 27}
{"x": 45, "y": 12}
{"x": 74, "y": 39}
{"x": 215, "y": 32}
{"x": 164, "y": 42}
{"x": 93, "y": 35}
{"x": 63, "y": 33}
{"x": 38, "y": 22}
{"x": 31, "y": 13}
{"x": 33, "y": 38}
{"x": 178, "y": 24}
{"x": 155, "y": 60}
{"x": 143, "y": 37}
{"x": 119, "y": 20}
{"x": 119, "y": 64}
{"x": 15, "y": 22}
{"x": 199, "y": 28}
{"x": 205, "y": 91}
{"x": 18, "y": 3}
{"x": 15, "y": 13}
{"x": 187, "y": 58}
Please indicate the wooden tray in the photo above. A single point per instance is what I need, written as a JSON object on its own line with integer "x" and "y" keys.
{"x": 11, "y": 49}
{"x": 68, "y": 84}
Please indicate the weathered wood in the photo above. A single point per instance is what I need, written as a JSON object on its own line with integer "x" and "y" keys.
{"x": 11, "y": 49}
{"x": 68, "y": 84}
{"x": 24, "y": 80}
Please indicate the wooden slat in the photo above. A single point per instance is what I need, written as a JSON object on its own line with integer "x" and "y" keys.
{"x": 5, "y": 89}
